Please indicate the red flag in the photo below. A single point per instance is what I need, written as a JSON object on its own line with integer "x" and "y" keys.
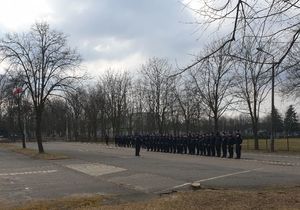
{"x": 17, "y": 90}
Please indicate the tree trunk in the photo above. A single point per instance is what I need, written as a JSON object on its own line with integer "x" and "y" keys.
{"x": 216, "y": 124}
{"x": 24, "y": 132}
{"x": 89, "y": 131}
{"x": 76, "y": 127}
{"x": 187, "y": 126}
{"x": 21, "y": 128}
{"x": 95, "y": 130}
{"x": 255, "y": 134}
{"x": 38, "y": 131}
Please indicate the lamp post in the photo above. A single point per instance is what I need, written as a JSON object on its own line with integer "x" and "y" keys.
{"x": 272, "y": 96}
{"x": 17, "y": 92}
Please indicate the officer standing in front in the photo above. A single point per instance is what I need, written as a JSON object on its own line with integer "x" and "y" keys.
{"x": 224, "y": 145}
{"x": 231, "y": 142}
{"x": 238, "y": 144}
{"x": 218, "y": 140}
{"x": 137, "y": 145}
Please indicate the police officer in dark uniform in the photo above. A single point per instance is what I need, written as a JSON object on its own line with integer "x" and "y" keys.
{"x": 193, "y": 144}
{"x": 174, "y": 144}
{"x": 218, "y": 140}
{"x": 238, "y": 144}
{"x": 189, "y": 143}
{"x": 224, "y": 145}
{"x": 201, "y": 144}
{"x": 146, "y": 140}
{"x": 208, "y": 146}
{"x": 155, "y": 143}
{"x": 106, "y": 139}
{"x": 197, "y": 144}
{"x": 159, "y": 143}
{"x": 137, "y": 145}
{"x": 231, "y": 142}
{"x": 117, "y": 143}
{"x": 179, "y": 144}
{"x": 185, "y": 144}
{"x": 212, "y": 144}
{"x": 205, "y": 150}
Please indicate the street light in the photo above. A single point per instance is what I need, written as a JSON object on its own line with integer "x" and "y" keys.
{"x": 17, "y": 92}
{"x": 272, "y": 96}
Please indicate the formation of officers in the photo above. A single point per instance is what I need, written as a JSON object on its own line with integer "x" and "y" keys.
{"x": 211, "y": 144}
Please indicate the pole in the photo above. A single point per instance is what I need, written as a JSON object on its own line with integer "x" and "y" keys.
{"x": 273, "y": 107}
{"x": 272, "y": 97}
{"x": 25, "y": 133}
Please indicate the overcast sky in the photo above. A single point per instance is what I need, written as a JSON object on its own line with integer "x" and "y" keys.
{"x": 118, "y": 34}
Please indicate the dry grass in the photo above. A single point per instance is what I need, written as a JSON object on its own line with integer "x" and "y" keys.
{"x": 284, "y": 198}
{"x": 290, "y": 145}
{"x": 32, "y": 153}
{"x": 73, "y": 202}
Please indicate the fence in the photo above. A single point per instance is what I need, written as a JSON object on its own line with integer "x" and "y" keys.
{"x": 284, "y": 144}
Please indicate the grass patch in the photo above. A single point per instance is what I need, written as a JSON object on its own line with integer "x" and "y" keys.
{"x": 281, "y": 145}
{"x": 32, "y": 153}
{"x": 73, "y": 202}
{"x": 283, "y": 198}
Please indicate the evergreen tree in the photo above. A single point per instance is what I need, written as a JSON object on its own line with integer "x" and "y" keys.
{"x": 278, "y": 121}
{"x": 290, "y": 120}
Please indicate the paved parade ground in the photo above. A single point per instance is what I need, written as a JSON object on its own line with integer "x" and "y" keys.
{"x": 108, "y": 170}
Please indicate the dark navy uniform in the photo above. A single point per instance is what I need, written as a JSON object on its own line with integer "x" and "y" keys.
{"x": 207, "y": 145}
{"x": 212, "y": 144}
{"x": 231, "y": 142}
{"x": 185, "y": 144}
{"x": 218, "y": 140}
{"x": 238, "y": 144}
{"x": 137, "y": 145}
{"x": 201, "y": 145}
{"x": 197, "y": 144}
{"x": 224, "y": 145}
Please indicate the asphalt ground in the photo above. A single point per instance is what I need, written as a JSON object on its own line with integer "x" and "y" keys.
{"x": 109, "y": 170}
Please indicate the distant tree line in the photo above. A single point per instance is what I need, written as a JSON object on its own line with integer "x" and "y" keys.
{"x": 152, "y": 102}
{"x": 44, "y": 94}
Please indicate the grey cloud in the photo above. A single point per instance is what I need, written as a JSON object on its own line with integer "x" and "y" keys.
{"x": 154, "y": 27}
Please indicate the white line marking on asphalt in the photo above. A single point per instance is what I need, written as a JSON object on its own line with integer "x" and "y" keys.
{"x": 217, "y": 177}
{"x": 226, "y": 175}
{"x": 280, "y": 163}
{"x": 282, "y": 156}
{"x": 28, "y": 172}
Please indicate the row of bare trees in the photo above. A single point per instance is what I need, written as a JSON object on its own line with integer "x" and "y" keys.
{"x": 261, "y": 35}
{"x": 155, "y": 101}
{"x": 232, "y": 75}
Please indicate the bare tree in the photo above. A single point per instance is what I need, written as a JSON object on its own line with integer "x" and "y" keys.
{"x": 268, "y": 19}
{"x": 291, "y": 82}
{"x": 138, "y": 109}
{"x": 116, "y": 88}
{"x": 14, "y": 94}
{"x": 75, "y": 100}
{"x": 55, "y": 118}
{"x": 3, "y": 82}
{"x": 94, "y": 108}
{"x": 252, "y": 82}
{"x": 213, "y": 81}
{"x": 159, "y": 89}
{"x": 189, "y": 105}
{"x": 45, "y": 63}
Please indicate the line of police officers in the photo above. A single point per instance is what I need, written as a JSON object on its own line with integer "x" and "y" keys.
{"x": 212, "y": 144}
